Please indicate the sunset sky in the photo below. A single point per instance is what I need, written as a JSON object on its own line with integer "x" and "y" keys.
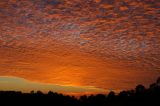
{"x": 79, "y": 45}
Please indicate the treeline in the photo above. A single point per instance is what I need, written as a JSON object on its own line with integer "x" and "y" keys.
{"x": 140, "y": 96}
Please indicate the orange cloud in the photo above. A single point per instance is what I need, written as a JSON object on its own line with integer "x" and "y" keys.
{"x": 80, "y": 43}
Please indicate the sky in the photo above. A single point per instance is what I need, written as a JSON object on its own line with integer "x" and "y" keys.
{"x": 100, "y": 44}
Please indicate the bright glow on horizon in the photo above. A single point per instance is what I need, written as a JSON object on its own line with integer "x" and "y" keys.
{"x": 9, "y": 83}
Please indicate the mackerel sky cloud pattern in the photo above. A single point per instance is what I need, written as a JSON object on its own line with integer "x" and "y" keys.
{"x": 108, "y": 44}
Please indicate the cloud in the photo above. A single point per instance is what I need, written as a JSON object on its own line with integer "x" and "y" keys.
{"x": 118, "y": 38}
{"x": 54, "y": 2}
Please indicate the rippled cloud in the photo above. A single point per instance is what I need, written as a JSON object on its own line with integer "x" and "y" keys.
{"x": 99, "y": 43}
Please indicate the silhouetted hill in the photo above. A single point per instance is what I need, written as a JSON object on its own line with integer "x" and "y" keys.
{"x": 140, "y": 96}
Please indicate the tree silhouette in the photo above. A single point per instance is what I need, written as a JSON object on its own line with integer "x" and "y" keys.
{"x": 158, "y": 82}
{"x": 140, "y": 88}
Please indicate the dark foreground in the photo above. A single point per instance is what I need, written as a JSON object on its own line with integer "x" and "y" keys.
{"x": 140, "y": 96}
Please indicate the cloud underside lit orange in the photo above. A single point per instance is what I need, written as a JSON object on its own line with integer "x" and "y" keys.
{"x": 107, "y": 44}
{"x": 74, "y": 69}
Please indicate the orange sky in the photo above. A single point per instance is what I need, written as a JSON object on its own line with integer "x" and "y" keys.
{"x": 107, "y": 44}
